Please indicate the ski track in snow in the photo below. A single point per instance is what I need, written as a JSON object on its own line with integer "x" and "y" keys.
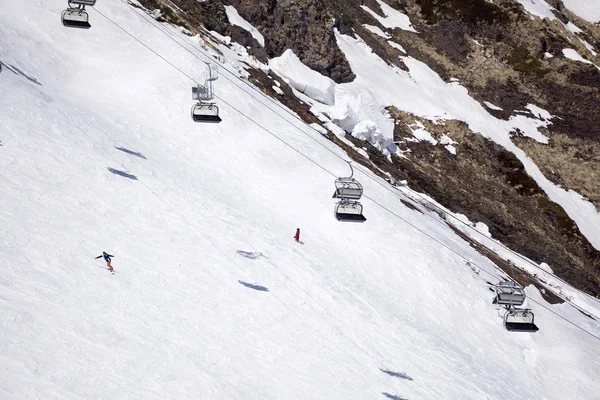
{"x": 355, "y": 300}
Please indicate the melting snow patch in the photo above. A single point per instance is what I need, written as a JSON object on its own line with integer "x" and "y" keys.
{"x": 451, "y": 149}
{"x": 393, "y": 18}
{"x": 589, "y": 47}
{"x": 419, "y": 132}
{"x": 573, "y": 28}
{"x": 376, "y": 30}
{"x": 548, "y": 55}
{"x": 539, "y": 8}
{"x": 492, "y": 106}
{"x": 574, "y": 55}
{"x": 539, "y": 112}
{"x": 235, "y": 19}
{"x": 447, "y": 140}
{"x": 396, "y": 46}
{"x": 277, "y": 90}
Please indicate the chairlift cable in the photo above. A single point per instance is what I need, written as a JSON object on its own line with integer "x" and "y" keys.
{"x": 367, "y": 173}
{"x": 326, "y": 170}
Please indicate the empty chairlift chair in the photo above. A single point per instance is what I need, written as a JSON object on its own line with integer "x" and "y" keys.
{"x": 349, "y": 211}
{"x": 205, "y": 112}
{"x": 509, "y": 294}
{"x": 347, "y": 188}
{"x": 520, "y": 320}
{"x": 76, "y": 16}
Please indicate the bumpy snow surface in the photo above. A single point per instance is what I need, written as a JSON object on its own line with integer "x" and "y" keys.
{"x": 212, "y": 298}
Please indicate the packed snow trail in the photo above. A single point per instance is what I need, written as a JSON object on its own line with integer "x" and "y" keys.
{"x": 100, "y": 153}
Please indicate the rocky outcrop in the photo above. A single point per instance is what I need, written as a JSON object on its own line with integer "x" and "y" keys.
{"x": 489, "y": 184}
{"x": 305, "y": 26}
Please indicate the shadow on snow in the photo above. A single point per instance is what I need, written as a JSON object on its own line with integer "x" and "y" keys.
{"x": 255, "y": 287}
{"x": 251, "y": 255}
{"x": 17, "y": 71}
{"x": 133, "y": 153}
{"x": 394, "y": 397}
{"x": 123, "y": 174}
{"x": 400, "y": 375}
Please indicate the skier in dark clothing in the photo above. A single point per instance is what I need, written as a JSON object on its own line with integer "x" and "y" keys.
{"x": 107, "y": 259}
{"x": 297, "y": 236}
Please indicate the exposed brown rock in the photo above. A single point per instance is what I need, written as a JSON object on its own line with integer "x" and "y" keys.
{"x": 490, "y": 185}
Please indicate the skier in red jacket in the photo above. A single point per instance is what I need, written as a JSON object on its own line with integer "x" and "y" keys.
{"x": 297, "y": 236}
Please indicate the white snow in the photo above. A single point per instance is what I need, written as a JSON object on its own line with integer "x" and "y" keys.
{"x": 539, "y": 112}
{"x": 589, "y": 47}
{"x": 393, "y": 18}
{"x": 302, "y": 78}
{"x": 421, "y": 134}
{"x": 396, "y": 46}
{"x": 319, "y": 128}
{"x": 538, "y": 8}
{"x": 451, "y": 149}
{"x": 574, "y": 55}
{"x": 277, "y": 90}
{"x": 542, "y": 271}
{"x": 572, "y": 27}
{"x": 449, "y": 143}
{"x": 546, "y": 268}
{"x": 367, "y": 130}
{"x": 548, "y": 55}
{"x": 492, "y": 106}
{"x": 377, "y": 30}
{"x": 235, "y": 19}
{"x": 586, "y": 9}
{"x": 213, "y": 299}
{"x": 483, "y": 229}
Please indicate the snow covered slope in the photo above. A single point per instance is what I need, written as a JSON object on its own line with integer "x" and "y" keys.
{"x": 586, "y": 9}
{"x": 213, "y": 299}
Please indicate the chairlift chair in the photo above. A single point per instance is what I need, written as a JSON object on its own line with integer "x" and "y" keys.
{"x": 349, "y": 211}
{"x": 205, "y": 112}
{"x": 90, "y": 3}
{"x": 76, "y": 16}
{"x": 509, "y": 293}
{"x": 347, "y": 188}
{"x": 520, "y": 320}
